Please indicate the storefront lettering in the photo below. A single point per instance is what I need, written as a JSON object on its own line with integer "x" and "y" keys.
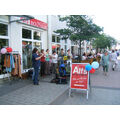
{"x": 36, "y": 23}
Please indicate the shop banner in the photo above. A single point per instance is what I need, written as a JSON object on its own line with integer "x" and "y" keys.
{"x": 79, "y": 76}
{"x": 36, "y": 23}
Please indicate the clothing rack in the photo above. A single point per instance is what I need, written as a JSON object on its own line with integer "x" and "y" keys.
{"x": 13, "y": 53}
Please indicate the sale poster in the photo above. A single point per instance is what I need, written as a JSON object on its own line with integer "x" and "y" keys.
{"x": 79, "y": 76}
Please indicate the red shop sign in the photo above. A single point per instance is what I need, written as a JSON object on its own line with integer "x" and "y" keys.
{"x": 79, "y": 76}
{"x": 36, "y": 23}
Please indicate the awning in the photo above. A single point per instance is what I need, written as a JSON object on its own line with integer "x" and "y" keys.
{"x": 25, "y": 17}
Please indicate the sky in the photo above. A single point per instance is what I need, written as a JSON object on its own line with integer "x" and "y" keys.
{"x": 106, "y": 12}
{"x": 111, "y": 24}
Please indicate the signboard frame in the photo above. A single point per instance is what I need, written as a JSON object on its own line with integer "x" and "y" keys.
{"x": 88, "y": 82}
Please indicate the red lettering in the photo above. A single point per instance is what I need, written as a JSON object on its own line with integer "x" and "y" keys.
{"x": 36, "y": 23}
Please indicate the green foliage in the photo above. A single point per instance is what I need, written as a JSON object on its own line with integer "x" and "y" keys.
{"x": 79, "y": 28}
{"x": 103, "y": 41}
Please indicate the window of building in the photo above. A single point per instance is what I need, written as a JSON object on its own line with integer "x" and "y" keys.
{"x": 53, "y": 38}
{"x": 38, "y": 45}
{"x": 58, "y": 39}
{"x": 37, "y": 35}
{"x": 27, "y": 54}
{"x": 33, "y": 40}
{"x": 26, "y": 34}
{"x": 3, "y": 29}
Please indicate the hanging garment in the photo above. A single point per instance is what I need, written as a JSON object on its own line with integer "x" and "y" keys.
{"x": 9, "y": 62}
{"x": 17, "y": 70}
{"x": 19, "y": 66}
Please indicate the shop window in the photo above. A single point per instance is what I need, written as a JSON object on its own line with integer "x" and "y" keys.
{"x": 38, "y": 45}
{"x": 3, "y": 30}
{"x": 27, "y": 54}
{"x": 53, "y": 38}
{"x": 37, "y": 35}
{"x": 26, "y": 34}
{"x": 58, "y": 40}
{"x": 3, "y": 43}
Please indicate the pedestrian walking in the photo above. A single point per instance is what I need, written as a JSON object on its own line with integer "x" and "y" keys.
{"x": 36, "y": 64}
{"x": 105, "y": 62}
{"x": 113, "y": 58}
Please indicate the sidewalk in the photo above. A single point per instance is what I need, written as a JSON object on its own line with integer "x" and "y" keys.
{"x": 30, "y": 94}
{"x": 105, "y": 90}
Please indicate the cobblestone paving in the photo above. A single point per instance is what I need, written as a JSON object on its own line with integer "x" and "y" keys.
{"x": 112, "y": 80}
{"x": 97, "y": 96}
{"x": 105, "y": 90}
{"x": 42, "y": 94}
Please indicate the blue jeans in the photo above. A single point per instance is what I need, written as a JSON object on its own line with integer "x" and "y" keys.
{"x": 35, "y": 76}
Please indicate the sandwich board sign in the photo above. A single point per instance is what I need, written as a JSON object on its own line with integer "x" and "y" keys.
{"x": 79, "y": 78}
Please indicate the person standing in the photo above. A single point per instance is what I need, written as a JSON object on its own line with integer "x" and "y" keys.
{"x": 47, "y": 63}
{"x": 105, "y": 62}
{"x": 113, "y": 58}
{"x": 54, "y": 62}
{"x": 42, "y": 71}
{"x": 69, "y": 61}
{"x": 60, "y": 56}
{"x": 36, "y": 64}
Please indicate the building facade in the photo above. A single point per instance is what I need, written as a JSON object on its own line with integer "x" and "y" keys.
{"x": 23, "y": 35}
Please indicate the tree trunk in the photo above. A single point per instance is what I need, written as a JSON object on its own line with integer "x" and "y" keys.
{"x": 97, "y": 50}
{"x": 80, "y": 52}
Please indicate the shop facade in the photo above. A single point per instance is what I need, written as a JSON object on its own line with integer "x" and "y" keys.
{"x": 57, "y": 43}
{"x": 22, "y": 37}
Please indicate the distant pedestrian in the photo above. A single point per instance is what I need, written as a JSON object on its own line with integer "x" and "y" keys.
{"x": 36, "y": 65}
{"x": 113, "y": 58}
{"x": 105, "y": 62}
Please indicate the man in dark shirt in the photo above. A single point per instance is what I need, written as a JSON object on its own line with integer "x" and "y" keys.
{"x": 60, "y": 56}
{"x": 36, "y": 65}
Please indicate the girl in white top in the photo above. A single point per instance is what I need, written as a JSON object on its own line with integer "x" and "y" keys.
{"x": 54, "y": 62}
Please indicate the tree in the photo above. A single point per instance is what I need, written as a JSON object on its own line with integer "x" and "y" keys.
{"x": 79, "y": 28}
{"x": 103, "y": 41}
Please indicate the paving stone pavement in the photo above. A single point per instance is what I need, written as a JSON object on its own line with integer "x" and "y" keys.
{"x": 97, "y": 96}
{"x": 105, "y": 90}
{"x": 42, "y": 94}
{"x": 112, "y": 80}
{"x": 25, "y": 93}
